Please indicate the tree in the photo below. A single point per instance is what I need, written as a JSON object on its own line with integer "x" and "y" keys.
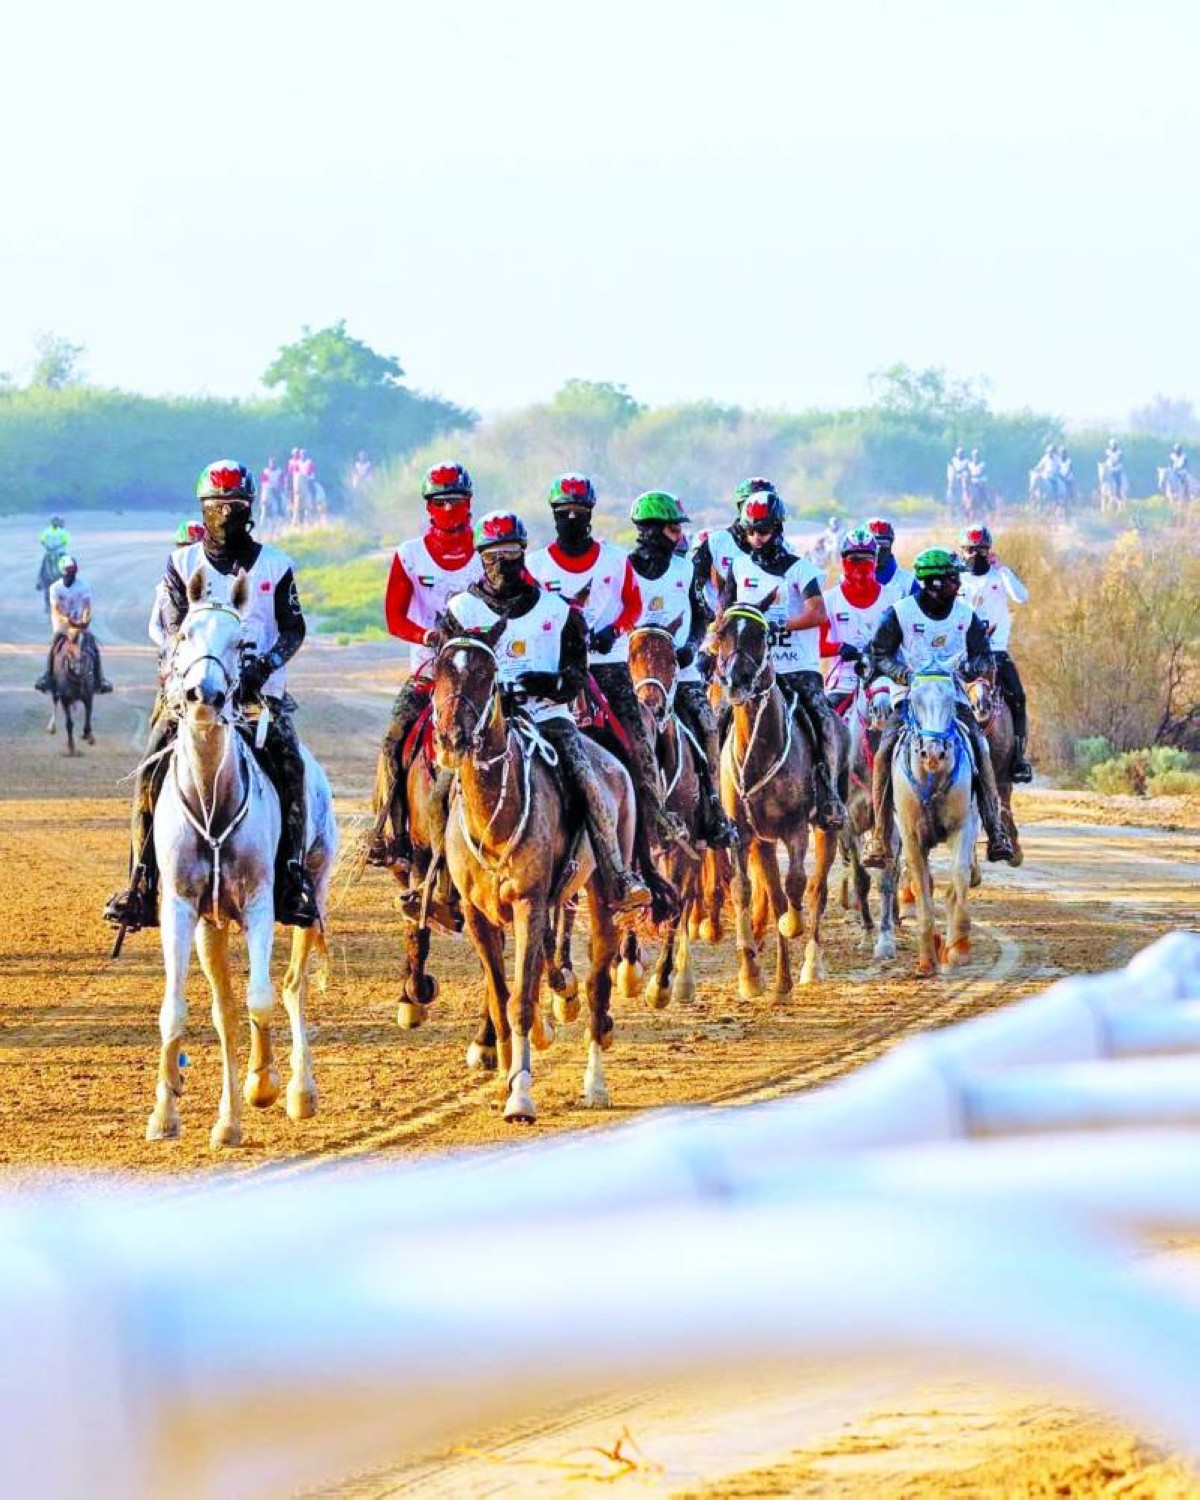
{"x": 329, "y": 369}
{"x": 597, "y": 402}
{"x": 1166, "y": 417}
{"x": 56, "y": 363}
{"x": 927, "y": 395}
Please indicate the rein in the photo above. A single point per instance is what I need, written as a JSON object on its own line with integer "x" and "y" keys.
{"x": 203, "y": 830}
{"x": 914, "y": 733}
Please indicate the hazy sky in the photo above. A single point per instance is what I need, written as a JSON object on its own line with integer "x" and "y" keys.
{"x": 753, "y": 201}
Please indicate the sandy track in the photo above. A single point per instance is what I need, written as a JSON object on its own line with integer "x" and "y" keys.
{"x": 78, "y": 1031}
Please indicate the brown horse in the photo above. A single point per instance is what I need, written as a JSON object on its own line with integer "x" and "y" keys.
{"x": 767, "y": 787}
{"x": 73, "y": 679}
{"x": 994, "y": 717}
{"x": 513, "y": 858}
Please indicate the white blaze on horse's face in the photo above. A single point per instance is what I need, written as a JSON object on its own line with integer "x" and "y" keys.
{"x": 462, "y": 701}
{"x": 980, "y": 694}
{"x": 931, "y": 702}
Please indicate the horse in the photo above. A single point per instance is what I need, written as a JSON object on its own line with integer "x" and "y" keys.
{"x": 1113, "y": 487}
{"x": 73, "y": 679}
{"x": 271, "y": 507}
{"x": 994, "y": 717}
{"x": 514, "y": 858}
{"x": 49, "y": 572}
{"x": 1048, "y": 495}
{"x": 216, "y": 832}
{"x": 867, "y": 714}
{"x": 1178, "y": 487}
{"x": 932, "y": 797}
{"x": 654, "y": 670}
{"x": 767, "y": 788}
{"x": 300, "y": 511}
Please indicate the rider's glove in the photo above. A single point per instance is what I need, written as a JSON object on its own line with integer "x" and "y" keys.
{"x": 540, "y": 684}
{"x": 434, "y": 638}
{"x": 847, "y": 652}
{"x": 256, "y": 670}
{"x": 685, "y": 656}
{"x": 602, "y": 641}
{"x": 903, "y": 677}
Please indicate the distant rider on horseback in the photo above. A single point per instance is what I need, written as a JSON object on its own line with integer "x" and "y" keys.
{"x": 55, "y": 538}
{"x": 795, "y": 621}
{"x": 575, "y": 561}
{"x": 225, "y": 491}
{"x": 542, "y": 660}
{"x": 670, "y": 590}
{"x": 897, "y": 581}
{"x": 426, "y": 571}
{"x": 1178, "y": 460}
{"x": 989, "y": 587}
{"x": 71, "y": 604}
{"x": 956, "y": 474}
{"x": 854, "y": 607}
{"x": 931, "y": 627}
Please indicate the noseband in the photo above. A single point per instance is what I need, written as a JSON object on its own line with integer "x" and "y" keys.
{"x": 661, "y": 715}
{"x": 762, "y": 669}
{"x": 486, "y": 713}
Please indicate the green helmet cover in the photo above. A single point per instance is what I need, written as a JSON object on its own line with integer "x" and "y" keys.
{"x": 657, "y": 505}
{"x": 936, "y": 562}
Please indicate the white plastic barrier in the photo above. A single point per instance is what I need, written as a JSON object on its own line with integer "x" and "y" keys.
{"x": 158, "y": 1342}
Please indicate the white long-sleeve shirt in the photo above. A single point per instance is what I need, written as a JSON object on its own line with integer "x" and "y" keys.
{"x": 990, "y": 595}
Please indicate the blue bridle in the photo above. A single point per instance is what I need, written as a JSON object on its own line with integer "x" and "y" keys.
{"x": 953, "y": 732}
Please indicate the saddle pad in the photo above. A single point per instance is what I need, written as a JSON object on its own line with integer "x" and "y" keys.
{"x": 419, "y": 740}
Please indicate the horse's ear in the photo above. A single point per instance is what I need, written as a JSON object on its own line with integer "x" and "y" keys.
{"x": 727, "y": 593}
{"x": 494, "y": 632}
{"x": 239, "y": 594}
{"x": 673, "y": 627}
{"x": 197, "y": 585}
{"x": 769, "y": 600}
{"x": 579, "y": 600}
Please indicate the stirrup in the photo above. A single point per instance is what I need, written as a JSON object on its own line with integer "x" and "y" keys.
{"x": 105, "y": 686}
{"x": 295, "y": 899}
{"x": 132, "y": 909}
{"x": 874, "y": 853}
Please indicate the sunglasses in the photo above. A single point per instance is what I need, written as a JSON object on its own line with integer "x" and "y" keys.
{"x": 760, "y": 530}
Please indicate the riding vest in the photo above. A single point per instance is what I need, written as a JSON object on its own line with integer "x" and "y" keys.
{"x": 899, "y": 585}
{"x": 988, "y": 594}
{"x": 933, "y": 643}
{"x": 722, "y": 548}
{"x": 791, "y": 650}
{"x": 667, "y": 598}
{"x": 68, "y": 602}
{"x": 432, "y": 588}
{"x": 528, "y": 643}
{"x": 605, "y": 602}
{"x": 850, "y": 625}
{"x": 270, "y": 567}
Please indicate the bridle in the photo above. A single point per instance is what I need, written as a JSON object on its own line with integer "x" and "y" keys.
{"x": 919, "y": 735}
{"x": 485, "y": 714}
{"x": 664, "y": 715}
{"x": 232, "y": 681}
{"x": 761, "y": 695}
{"x": 763, "y": 669}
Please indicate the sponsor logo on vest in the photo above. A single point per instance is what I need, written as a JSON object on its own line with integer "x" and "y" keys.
{"x": 265, "y": 586}
{"x": 938, "y": 640}
{"x": 658, "y": 602}
{"x": 554, "y": 585}
{"x": 516, "y": 648}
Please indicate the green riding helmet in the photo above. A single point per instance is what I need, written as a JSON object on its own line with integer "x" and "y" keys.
{"x": 936, "y": 562}
{"x": 572, "y": 489}
{"x": 657, "y": 505}
{"x": 225, "y": 480}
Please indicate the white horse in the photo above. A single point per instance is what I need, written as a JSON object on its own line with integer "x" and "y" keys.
{"x": 932, "y": 796}
{"x": 216, "y": 831}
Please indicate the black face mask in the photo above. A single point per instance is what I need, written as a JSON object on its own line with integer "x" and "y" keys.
{"x": 226, "y": 531}
{"x": 938, "y": 596}
{"x": 501, "y": 573}
{"x": 574, "y": 532}
{"x": 653, "y": 541}
{"x": 979, "y": 563}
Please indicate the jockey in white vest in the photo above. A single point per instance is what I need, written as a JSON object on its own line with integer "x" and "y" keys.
{"x": 714, "y": 551}
{"x": 426, "y": 571}
{"x": 275, "y": 627}
{"x": 933, "y": 629}
{"x": 769, "y": 572}
{"x": 576, "y": 562}
{"x": 541, "y": 659}
{"x": 854, "y": 607}
{"x": 990, "y": 589}
{"x": 896, "y": 581}
{"x": 70, "y": 604}
{"x": 670, "y": 593}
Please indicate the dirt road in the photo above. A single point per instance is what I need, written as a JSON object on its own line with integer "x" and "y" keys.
{"x": 78, "y": 1042}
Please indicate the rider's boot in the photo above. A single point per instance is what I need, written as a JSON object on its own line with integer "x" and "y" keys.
{"x": 395, "y": 850}
{"x": 623, "y": 888}
{"x": 617, "y": 687}
{"x": 295, "y": 896}
{"x": 46, "y": 681}
{"x": 720, "y": 832}
{"x": 1020, "y": 769}
{"x": 999, "y": 845}
{"x": 830, "y": 811}
{"x": 444, "y": 909}
{"x": 137, "y": 906}
{"x": 877, "y": 850}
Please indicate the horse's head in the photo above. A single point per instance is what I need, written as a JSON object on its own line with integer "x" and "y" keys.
{"x": 206, "y": 660}
{"x": 743, "y": 637}
{"x": 880, "y": 701}
{"x": 653, "y": 666}
{"x": 932, "y": 700}
{"x": 981, "y": 692}
{"x": 465, "y": 694}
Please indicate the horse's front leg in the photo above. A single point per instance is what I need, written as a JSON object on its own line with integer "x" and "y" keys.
{"x": 212, "y": 944}
{"x": 262, "y": 1075}
{"x": 816, "y": 898}
{"x": 493, "y": 1041}
{"x": 563, "y": 983}
{"x": 750, "y": 985}
{"x": 599, "y": 993}
{"x": 885, "y": 943}
{"x": 87, "y": 720}
{"x": 958, "y": 915}
{"x": 777, "y": 908}
{"x": 657, "y": 993}
{"x": 302, "y": 1086}
{"x": 52, "y": 725}
{"x": 683, "y": 991}
{"x": 69, "y": 722}
{"x": 178, "y": 923}
{"x": 529, "y": 918}
{"x": 631, "y": 971}
{"x": 917, "y": 861}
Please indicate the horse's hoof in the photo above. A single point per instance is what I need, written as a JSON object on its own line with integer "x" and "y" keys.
{"x": 926, "y": 968}
{"x": 162, "y": 1127}
{"x": 410, "y": 1014}
{"x": 708, "y": 932}
{"x": 480, "y": 1058}
{"x": 939, "y": 947}
{"x": 90, "y": 738}
{"x": 566, "y": 1008}
{"x": 564, "y": 984}
{"x": 542, "y": 1035}
{"x": 51, "y": 728}
{"x": 596, "y": 1096}
{"x": 750, "y": 986}
{"x": 423, "y": 994}
{"x": 225, "y": 1133}
{"x": 812, "y": 972}
{"x": 629, "y": 979}
{"x": 656, "y": 994}
{"x": 519, "y": 1108}
{"x": 885, "y": 948}
{"x": 958, "y": 954}
{"x": 683, "y": 991}
{"x": 261, "y": 1089}
{"x": 791, "y": 924}
{"x": 1018, "y": 856}
{"x": 301, "y": 1101}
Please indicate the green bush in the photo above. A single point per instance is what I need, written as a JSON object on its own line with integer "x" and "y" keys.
{"x": 346, "y": 599}
{"x": 1156, "y": 772}
{"x": 1175, "y": 784}
{"x": 338, "y": 543}
{"x": 1091, "y": 751}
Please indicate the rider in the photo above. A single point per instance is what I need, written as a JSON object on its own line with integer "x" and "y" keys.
{"x": 55, "y": 538}
{"x": 825, "y": 548}
{"x": 854, "y": 607}
{"x": 272, "y": 475}
{"x": 896, "y": 581}
{"x": 976, "y": 467}
{"x": 426, "y": 571}
{"x": 956, "y": 469}
{"x": 363, "y": 471}
{"x": 225, "y": 491}
{"x": 1113, "y": 455}
{"x": 713, "y": 554}
{"x": 1066, "y": 471}
{"x": 542, "y": 662}
{"x": 575, "y": 561}
{"x": 670, "y": 591}
{"x": 70, "y": 604}
{"x": 988, "y": 586}
{"x": 916, "y": 632}
{"x": 795, "y": 621}
{"x": 1178, "y": 459}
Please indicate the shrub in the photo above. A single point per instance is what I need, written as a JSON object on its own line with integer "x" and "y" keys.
{"x": 346, "y": 598}
{"x": 1159, "y": 771}
{"x": 1090, "y": 751}
{"x": 1175, "y": 784}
